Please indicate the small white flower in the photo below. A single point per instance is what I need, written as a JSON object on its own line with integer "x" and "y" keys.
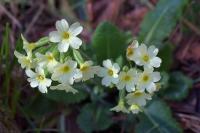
{"x": 109, "y": 73}
{"x": 127, "y": 80}
{"x": 64, "y": 86}
{"x": 25, "y": 61}
{"x": 147, "y": 79}
{"x": 138, "y": 98}
{"x": 131, "y": 50}
{"x": 78, "y": 76}
{"x": 88, "y": 70}
{"x": 28, "y": 46}
{"x": 120, "y": 108}
{"x": 67, "y": 72}
{"x": 135, "y": 109}
{"x": 66, "y": 36}
{"x": 38, "y": 79}
{"x": 48, "y": 60}
{"x": 147, "y": 57}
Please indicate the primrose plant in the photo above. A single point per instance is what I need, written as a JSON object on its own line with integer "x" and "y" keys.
{"x": 55, "y": 63}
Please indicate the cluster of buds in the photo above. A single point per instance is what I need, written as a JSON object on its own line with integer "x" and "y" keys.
{"x": 48, "y": 63}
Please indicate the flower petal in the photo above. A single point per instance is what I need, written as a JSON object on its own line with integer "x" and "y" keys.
{"x": 156, "y": 76}
{"x": 34, "y": 83}
{"x": 142, "y": 49}
{"x": 70, "y": 80}
{"x": 89, "y": 63}
{"x": 42, "y": 88}
{"x": 107, "y": 63}
{"x": 30, "y": 73}
{"x": 63, "y": 46}
{"x": 132, "y": 72}
{"x": 24, "y": 40}
{"x": 54, "y": 36}
{"x": 115, "y": 80}
{"x": 116, "y": 67}
{"x": 155, "y": 62}
{"x": 101, "y": 72}
{"x": 134, "y": 44}
{"x": 106, "y": 81}
{"x": 153, "y": 51}
{"x": 78, "y": 74}
{"x": 120, "y": 85}
{"x": 151, "y": 88}
{"x": 18, "y": 55}
{"x": 130, "y": 87}
{"x": 62, "y": 25}
{"x": 65, "y": 87}
{"x": 71, "y": 63}
{"x": 48, "y": 82}
{"x": 75, "y": 42}
{"x": 75, "y": 29}
{"x": 40, "y": 71}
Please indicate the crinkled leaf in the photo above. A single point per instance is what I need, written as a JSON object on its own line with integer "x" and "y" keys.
{"x": 164, "y": 82}
{"x": 166, "y": 54}
{"x": 94, "y": 118}
{"x": 157, "y": 119}
{"x": 158, "y": 24}
{"x": 129, "y": 122}
{"x": 179, "y": 86}
{"x": 108, "y": 42}
{"x": 39, "y": 106}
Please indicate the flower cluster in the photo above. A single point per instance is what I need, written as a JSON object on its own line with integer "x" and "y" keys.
{"x": 49, "y": 67}
{"x": 48, "y": 63}
{"x": 136, "y": 86}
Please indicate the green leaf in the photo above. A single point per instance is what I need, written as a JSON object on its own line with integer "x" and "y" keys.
{"x": 67, "y": 98}
{"x": 120, "y": 61}
{"x": 157, "y": 118}
{"x": 166, "y": 54}
{"x": 43, "y": 50}
{"x": 19, "y": 45}
{"x": 39, "y": 106}
{"x": 78, "y": 56}
{"x": 94, "y": 118}
{"x": 5, "y": 61}
{"x": 108, "y": 42}
{"x": 179, "y": 86}
{"x": 4, "y": 48}
{"x": 158, "y": 24}
{"x": 164, "y": 82}
{"x": 43, "y": 41}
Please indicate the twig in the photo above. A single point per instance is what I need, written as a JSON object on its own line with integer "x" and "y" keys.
{"x": 42, "y": 130}
{"x": 62, "y": 123}
{"x": 15, "y": 21}
{"x": 26, "y": 116}
{"x": 35, "y": 18}
{"x": 148, "y": 4}
{"x": 190, "y": 121}
{"x": 191, "y": 26}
